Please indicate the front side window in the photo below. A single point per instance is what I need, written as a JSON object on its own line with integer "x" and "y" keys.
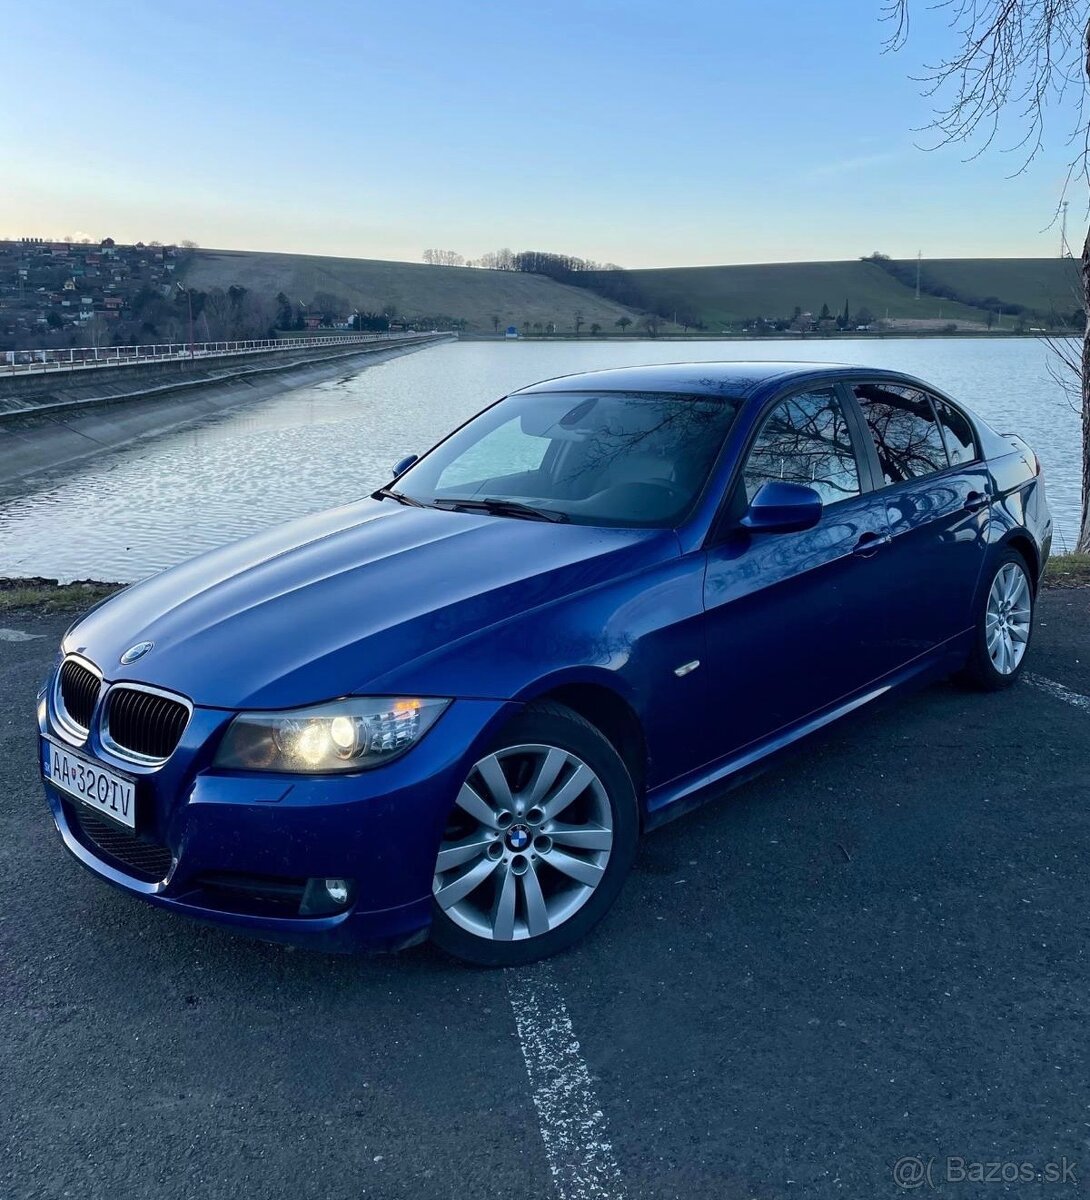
{"x": 805, "y": 439}
{"x": 905, "y": 431}
{"x": 612, "y": 458}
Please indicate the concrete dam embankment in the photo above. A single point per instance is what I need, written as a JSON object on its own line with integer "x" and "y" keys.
{"x": 51, "y": 418}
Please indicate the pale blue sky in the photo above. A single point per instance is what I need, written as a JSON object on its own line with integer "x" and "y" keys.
{"x": 639, "y": 132}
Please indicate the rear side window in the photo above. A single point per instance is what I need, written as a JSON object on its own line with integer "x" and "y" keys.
{"x": 960, "y": 442}
{"x": 905, "y": 431}
{"x": 805, "y": 440}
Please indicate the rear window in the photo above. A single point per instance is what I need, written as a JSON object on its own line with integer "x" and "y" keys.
{"x": 905, "y": 431}
{"x": 960, "y": 442}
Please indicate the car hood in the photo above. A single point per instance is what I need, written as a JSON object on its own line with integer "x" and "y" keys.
{"x": 317, "y": 608}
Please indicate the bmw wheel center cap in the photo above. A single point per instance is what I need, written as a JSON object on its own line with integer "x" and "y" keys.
{"x": 518, "y": 838}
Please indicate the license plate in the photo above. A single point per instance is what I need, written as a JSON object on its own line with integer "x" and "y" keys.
{"x": 108, "y": 793}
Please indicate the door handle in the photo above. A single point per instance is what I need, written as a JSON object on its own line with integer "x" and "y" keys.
{"x": 869, "y": 544}
{"x": 975, "y": 501}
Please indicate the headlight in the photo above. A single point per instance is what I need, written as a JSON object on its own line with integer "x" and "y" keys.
{"x": 343, "y": 735}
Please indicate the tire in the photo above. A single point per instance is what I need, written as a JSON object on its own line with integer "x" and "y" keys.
{"x": 1003, "y": 625}
{"x": 538, "y": 844}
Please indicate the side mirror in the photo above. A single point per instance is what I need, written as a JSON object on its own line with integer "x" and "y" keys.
{"x": 401, "y": 467}
{"x": 782, "y": 508}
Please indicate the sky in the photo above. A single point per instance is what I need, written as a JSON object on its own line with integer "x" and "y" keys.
{"x": 641, "y": 133}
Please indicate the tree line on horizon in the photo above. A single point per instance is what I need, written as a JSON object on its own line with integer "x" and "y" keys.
{"x": 608, "y": 280}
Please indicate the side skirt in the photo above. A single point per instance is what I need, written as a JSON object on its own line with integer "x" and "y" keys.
{"x": 671, "y": 800}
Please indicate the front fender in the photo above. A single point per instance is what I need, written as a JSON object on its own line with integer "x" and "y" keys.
{"x": 631, "y": 636}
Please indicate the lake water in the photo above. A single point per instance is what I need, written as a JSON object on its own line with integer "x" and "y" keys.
{"x": 146, "y": 506}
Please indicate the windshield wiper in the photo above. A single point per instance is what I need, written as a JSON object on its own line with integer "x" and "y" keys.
{"x": 388, "y": 493}
{"x": 499, "y": 508}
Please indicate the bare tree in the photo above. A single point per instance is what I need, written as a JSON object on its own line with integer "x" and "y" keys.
{"x": 578, "y": 321}
{"x": 217, "y": 312}
{"x": 443, "y": 258}
{"x": 496, "y": 260}
{"x": 1022, "y": 60}
{"x": 97, "y": 331}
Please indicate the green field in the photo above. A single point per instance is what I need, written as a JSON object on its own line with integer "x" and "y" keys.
{"x": 725, "y": 295}
{"x": 417, "y": 291}
{"x": 723, "y": 298}
{"x": 1041, "y": 284}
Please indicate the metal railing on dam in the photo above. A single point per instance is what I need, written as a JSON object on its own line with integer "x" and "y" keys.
{"x": 78, "y": 358}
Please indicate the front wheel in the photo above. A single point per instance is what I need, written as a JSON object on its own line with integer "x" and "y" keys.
{"x": 538, "y": 844}
{"x": 1003, "y": 626}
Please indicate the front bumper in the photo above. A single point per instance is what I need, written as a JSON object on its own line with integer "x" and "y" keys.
{"x": 239, "y": 845}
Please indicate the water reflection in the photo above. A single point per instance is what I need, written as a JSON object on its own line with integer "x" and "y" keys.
{"x": 162, "y": 500}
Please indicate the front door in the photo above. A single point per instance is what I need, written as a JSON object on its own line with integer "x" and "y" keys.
{"x": 795, "y": 621}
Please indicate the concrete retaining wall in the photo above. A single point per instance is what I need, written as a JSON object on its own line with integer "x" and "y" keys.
{"x": 47, "y": 421}
{"x": 22, "y": 394}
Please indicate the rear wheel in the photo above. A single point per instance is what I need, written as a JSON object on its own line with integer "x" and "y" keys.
{"x": 538, "y": 844}
{"x": 1004, "y": 625}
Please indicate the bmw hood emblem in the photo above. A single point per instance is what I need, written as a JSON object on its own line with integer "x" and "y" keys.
{"x": 135, "y": 652}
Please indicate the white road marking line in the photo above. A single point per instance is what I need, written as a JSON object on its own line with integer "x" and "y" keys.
{"x": 17, "y": 635}
{"x": 573, "y": 1126}
{"x": 1058, "y": 692}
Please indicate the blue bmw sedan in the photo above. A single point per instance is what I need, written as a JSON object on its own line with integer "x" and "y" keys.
{"x": 453, "y": 706}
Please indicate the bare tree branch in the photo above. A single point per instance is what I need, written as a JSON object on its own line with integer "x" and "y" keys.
{"x": 1017, "y": 59}
{"x": 1022, "y": 61}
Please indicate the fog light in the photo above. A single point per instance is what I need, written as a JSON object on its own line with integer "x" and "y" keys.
{"x": 322, "y": 897}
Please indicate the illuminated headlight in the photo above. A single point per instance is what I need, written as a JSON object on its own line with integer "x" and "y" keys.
{"x": 343, "y": 735}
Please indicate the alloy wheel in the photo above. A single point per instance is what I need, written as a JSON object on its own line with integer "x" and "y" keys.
{"x": 527, "y": 843}
{"x": 1008, "y": 617}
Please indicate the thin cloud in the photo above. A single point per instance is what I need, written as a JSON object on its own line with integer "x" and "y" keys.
{"x": 847, "y": 166}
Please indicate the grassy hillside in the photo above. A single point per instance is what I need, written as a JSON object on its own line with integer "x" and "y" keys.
{"x": 1041, "y": 284}
{"x": 420, "y": 292}
{"x": 721, "y": 295}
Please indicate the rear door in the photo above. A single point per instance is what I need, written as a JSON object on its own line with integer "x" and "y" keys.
{"x": 935, "y": 492}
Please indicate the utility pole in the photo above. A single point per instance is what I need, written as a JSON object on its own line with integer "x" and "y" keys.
{"x": 919, "y": 255}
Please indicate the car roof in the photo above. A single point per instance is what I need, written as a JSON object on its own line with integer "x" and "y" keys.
{"x": 738, "y": 379}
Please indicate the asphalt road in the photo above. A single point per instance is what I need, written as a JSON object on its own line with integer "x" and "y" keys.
{"x": 876, "y": 950}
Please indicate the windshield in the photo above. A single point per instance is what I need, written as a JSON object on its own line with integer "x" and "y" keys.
{"x": 595, "y": 458}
